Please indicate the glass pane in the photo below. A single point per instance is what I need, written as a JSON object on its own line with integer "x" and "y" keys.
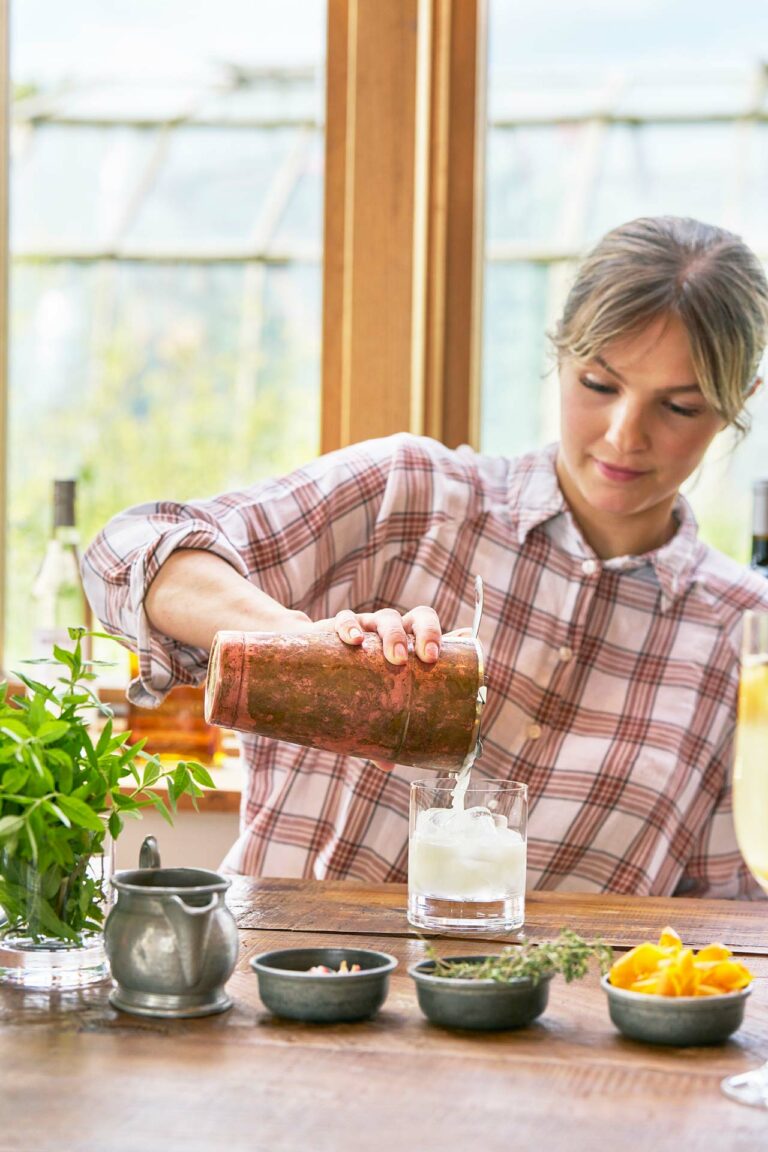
{"x": 658, "y": 170}
{"x": 298, "y": 97}
{"x": 301, "y": 223}
{"x": 144, "y": 375}
{"x": 694, "y": 92}
{"x": 515, "y": 312}
{"x": 153, "y": 103}
{"x": 213, "y": 189}
{"x": 753, "y": 156}
{"x": 527, "y": 169}
{"x": 151, "y": 382}
{"x": 56, "y": 204}
{"x": 524, "y": 94}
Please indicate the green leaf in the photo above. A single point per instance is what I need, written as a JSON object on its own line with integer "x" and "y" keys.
{"x": 15, "y": 778}
{"x": 15, "y": 730}
{"x": 80, "y": 813}
{"x": 52, "y": 730}
{"x": 104, "y": 738}
{"x": 63, "y": 656}
{"x": 62, "y": 763}
{"x": 51, "y": 924}
{"x": 32, "y": 839}
{"x": 35, "y": 686}
{"x": 115, "y": 742}
{"x": 42, "y": 769}
{"x": 200, "y": 774}
{"x": 123, "y": 802}
{"x": 158, "y": 803}
{"x": 10, "y": 825}
{"x": 49, "y": 806}
{"x": 90, "y": 752}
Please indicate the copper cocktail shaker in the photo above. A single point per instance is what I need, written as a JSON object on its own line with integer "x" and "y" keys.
{"x": 313, "y": 689}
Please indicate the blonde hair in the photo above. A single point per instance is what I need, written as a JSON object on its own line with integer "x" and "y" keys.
{"x": 670, "y": 265}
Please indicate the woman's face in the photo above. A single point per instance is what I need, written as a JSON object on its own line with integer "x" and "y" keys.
{"x": 635, "y": 425}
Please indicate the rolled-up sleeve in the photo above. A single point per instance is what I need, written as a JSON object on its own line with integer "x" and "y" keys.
{"x": 118, "y": 568}
{"x": 309, "y": 540}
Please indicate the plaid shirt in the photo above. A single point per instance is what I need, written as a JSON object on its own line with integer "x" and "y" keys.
{"x": 611, "y": 684}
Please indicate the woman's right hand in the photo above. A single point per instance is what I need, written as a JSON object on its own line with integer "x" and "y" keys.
{"x": 422, "y": 624}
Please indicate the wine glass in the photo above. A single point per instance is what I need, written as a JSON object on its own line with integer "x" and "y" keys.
{"x": 750, "y": 799}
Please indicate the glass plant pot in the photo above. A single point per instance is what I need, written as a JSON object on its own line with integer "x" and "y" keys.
{"x": 36, "y": 952}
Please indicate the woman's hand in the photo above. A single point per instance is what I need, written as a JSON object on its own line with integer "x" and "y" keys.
{"x": 421, "y": 623}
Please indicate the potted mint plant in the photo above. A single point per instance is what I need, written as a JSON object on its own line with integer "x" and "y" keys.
{"x": 65, "y": 792}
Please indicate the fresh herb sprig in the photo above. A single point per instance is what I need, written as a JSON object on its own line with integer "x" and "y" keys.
{"x": 568, "y": 955}
{"x": 62, "y": 788}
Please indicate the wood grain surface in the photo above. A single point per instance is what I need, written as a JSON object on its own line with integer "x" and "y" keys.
{"x": 78, "y": 1076}
{"x": 622, "y": 921}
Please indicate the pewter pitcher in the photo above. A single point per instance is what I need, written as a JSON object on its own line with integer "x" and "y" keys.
{"x": 172, "y": 942}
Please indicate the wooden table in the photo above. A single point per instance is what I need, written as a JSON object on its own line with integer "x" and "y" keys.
{"x": 77, "y": 1076}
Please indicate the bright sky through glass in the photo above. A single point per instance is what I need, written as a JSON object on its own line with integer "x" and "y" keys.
{"x": 171, "y": 40}
{"x": 621, "y": 33}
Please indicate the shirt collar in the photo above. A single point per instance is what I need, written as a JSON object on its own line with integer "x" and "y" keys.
{"x": 535, "y": 497}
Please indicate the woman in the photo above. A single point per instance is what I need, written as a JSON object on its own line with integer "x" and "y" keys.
{"x": 610, "y": 630}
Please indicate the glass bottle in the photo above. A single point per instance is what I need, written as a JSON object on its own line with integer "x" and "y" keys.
{"x": 759, "y": 554}
{"x": 58, "y": 597}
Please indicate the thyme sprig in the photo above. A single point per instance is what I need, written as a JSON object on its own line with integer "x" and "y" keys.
{"x": 569, "y": 955}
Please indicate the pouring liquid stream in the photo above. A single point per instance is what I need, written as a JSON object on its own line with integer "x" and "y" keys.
{"x": 463, "y": 775}
{"x": 469, "y": 855}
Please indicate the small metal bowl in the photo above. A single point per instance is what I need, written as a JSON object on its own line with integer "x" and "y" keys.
{"x": 681, "y": 1021}
{"x": 287, "y": 988}
{"x": 482, "y": 1005}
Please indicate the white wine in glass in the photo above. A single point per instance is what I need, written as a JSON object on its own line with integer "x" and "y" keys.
{"x": 750, "y": 799}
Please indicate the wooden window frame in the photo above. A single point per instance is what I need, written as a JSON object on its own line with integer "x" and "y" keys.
{"x": 403, "y": 230}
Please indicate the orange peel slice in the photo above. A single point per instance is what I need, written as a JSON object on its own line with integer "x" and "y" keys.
{"x": 670, "y": 969}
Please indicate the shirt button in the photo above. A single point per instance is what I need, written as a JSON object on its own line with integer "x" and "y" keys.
{"x": 565, "y": 654}
{"x": 534, "y": 731}
{"x": 589, "y": 567}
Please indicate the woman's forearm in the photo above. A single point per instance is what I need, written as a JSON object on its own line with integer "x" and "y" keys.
{"x": 196, "y": 594}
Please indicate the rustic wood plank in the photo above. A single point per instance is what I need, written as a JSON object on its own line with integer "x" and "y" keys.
{"x": 125, "y": 1092}
{"x": 246, "y": 1080}
{"x": 354, "y": 908}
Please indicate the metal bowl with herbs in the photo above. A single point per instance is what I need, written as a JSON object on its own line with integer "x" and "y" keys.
{"x": 507, "y": 990}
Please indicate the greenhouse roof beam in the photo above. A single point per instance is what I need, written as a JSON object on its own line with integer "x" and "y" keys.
{"x": 101, "y": 256}
{"x": 264, "y": 123}
{"x": 627, "y": 119}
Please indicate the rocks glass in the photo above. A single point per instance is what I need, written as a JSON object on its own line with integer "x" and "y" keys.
{"x": 466, "y": 859}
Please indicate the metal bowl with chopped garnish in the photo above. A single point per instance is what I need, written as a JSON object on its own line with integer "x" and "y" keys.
{"x": 354, "y": 988}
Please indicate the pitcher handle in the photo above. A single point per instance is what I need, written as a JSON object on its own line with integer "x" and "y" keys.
{"x": 149, "y": 853}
